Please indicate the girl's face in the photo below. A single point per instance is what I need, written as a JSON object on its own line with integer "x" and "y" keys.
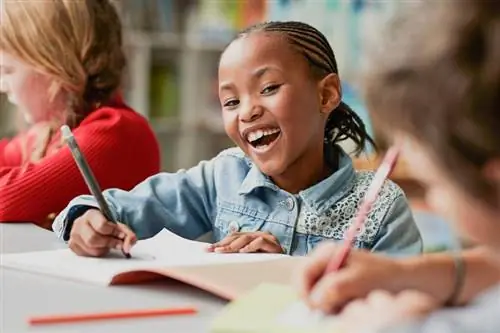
{"x": 272, "y": 107}
{"x": 474, "y": 219}
{"x": 26, "y": 88}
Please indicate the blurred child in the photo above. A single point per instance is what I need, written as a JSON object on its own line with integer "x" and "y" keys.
{"x": 288, "y": 187}
{"x": 61, "y": 62}
{"x": 437, "y": 91}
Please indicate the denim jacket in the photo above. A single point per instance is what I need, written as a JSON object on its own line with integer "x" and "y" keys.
{"x": 229, "y": 193}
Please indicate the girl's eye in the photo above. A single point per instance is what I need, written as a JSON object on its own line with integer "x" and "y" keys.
{"x": 231, "y": 103}
{"x": 270, "y": 89}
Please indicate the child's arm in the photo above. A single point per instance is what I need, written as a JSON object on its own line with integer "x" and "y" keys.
{"x": 398, "y": 234}
{"x": 182, "y": 202}
{"x": 433, "y": 274}
{"x": 118, "y": 158}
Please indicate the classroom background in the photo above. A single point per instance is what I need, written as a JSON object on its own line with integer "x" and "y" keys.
{"x": 173, "y": 47}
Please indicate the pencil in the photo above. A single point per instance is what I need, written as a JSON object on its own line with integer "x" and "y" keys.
{"x": 88, "y": 175}
{"x": 124, "y": 314}
{"x": 384, "y": 170}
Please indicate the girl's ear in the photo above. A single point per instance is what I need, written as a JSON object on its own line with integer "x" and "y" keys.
{"x": 330, "y": 93}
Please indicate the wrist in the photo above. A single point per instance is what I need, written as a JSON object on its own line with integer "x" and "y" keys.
{"x": 438, "y": 275}
{"x": 409, "y": 274}
{"x": 459, "y": 279}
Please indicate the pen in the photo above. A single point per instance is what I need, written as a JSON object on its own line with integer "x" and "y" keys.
{"x": 384, "y": 170}
{"x": 88, "y": 175}
{"x": 69, "y": 318}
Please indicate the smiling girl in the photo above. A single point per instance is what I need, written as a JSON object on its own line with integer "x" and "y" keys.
{"x": 286, "y": 188}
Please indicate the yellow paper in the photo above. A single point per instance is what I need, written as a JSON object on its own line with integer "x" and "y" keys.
{"x": 272, "y": 308}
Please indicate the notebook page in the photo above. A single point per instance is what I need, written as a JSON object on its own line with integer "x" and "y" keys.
{"x": 161, "y": 251}
{"x": 173, "y": 250}
{"x": 66, "y": 264}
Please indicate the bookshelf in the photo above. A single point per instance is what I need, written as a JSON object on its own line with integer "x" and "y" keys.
{"x": 187, "y": 115}
{"x": 173, "y": 47}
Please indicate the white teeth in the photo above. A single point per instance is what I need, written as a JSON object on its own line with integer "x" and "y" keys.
{"x": 256, "y": 135}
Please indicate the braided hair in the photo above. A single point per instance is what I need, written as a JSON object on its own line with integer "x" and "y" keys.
{"x": 343, "y": 123}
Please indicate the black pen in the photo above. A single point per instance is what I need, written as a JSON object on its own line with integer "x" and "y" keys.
{"x": 88, "y": 175}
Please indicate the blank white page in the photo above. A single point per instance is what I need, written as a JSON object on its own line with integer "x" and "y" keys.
{"x": 164, "y": 250}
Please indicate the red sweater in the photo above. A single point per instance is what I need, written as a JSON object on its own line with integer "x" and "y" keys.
{"x": 118, "y": 144}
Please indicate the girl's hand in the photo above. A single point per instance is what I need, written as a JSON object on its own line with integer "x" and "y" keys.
{"x": 247, "y": 242}
{"x": 93, "y": 236}
{"x": 382, "y": 310}
{"x": 362, "y": 273}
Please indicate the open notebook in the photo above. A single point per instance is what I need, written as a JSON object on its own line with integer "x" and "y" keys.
{"x": 272, "y": 308}
{"x": 166, "y": 254}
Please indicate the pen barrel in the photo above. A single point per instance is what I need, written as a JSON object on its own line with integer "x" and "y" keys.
{"x": 89, "y": 178}
{"x": 383, "y": 172}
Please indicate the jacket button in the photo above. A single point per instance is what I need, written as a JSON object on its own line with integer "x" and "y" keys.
{"x": 290, "y": 203}
{"x": 234, "y": 227}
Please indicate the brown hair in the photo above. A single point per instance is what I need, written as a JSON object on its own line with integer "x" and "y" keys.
{"x": 435, "y": 76}
{"x": 343, "y": 123}
{"x": 78, "y": 44}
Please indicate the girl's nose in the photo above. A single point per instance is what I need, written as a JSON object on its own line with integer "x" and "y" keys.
{"x": 251, "y": 113}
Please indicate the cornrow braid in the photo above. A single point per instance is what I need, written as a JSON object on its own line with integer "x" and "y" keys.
{"x": 343, "y": 123}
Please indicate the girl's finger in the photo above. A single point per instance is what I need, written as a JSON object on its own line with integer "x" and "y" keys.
{"x": 130, "y": 238}
{"x": 226, "y": 241}
{"x": 77, "y": 246}
{"x": 312, "y": 269}
{"x": 236, "y": 245}
{"x": 101, "y": 225}
{"x": 92, "y": 239}
{"x": 262, "y": 244}
{"x": 379, "y": 298}
{"x": 333, "y": 291}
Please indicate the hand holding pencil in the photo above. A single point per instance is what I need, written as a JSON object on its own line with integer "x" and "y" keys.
{"x": 362, "y": 272}
{"x": 323, "y": 280}
{"x": 93, "y": 235}
{"x": 95, "y": 232}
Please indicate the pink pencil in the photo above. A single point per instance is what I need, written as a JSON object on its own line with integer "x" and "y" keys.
{"x": 381, "y": 175}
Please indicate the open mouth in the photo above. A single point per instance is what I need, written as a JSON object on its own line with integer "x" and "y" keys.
{"x": 263, "y": 138}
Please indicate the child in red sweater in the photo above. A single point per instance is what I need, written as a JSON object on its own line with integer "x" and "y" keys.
{"x": 61, "y": 62}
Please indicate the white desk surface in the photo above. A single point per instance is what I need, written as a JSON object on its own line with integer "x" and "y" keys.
{"x": 23, "y": 295}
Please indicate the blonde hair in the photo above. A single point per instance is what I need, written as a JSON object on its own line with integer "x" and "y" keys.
{"x": 77, "y": 43}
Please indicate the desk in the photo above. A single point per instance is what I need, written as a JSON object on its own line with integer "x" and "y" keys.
{"x": 24, "y": 294}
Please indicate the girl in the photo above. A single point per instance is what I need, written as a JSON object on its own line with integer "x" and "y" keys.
{"x": 288, "y": 186}
{"x": 438, "y": 92}
{"x": 58, "y": 68}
